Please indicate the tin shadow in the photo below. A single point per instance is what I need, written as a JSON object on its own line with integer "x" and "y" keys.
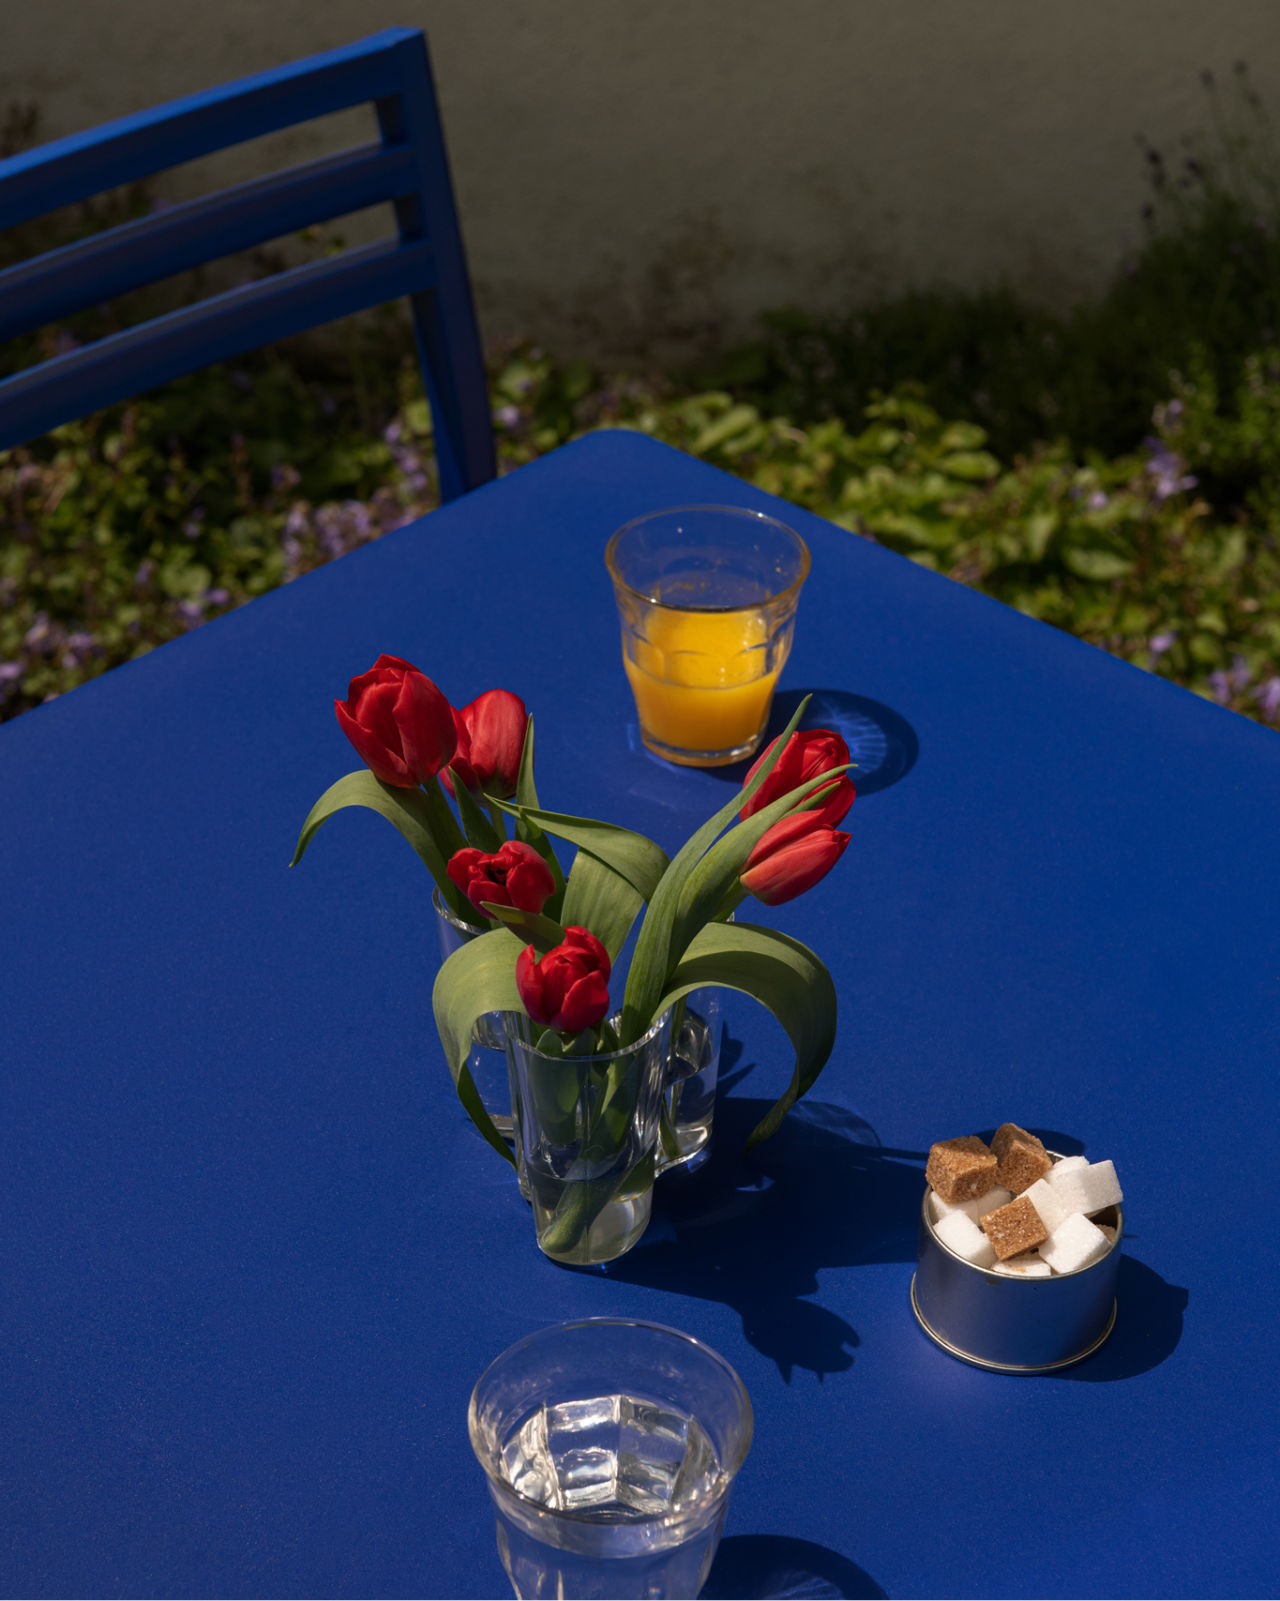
{"x": 882, "y": 744}
{"x": 1148, "y": 1327}
{"x": 753, "y": 1230}
{"x": 752, "y": 1567}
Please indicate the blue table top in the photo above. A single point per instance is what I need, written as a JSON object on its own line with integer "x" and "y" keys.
{"x": 255, "y": 1256}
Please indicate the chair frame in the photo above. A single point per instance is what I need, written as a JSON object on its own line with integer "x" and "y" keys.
{"x": 408, "y": 168}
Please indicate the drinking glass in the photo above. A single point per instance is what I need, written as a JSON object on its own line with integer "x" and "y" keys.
{"x": 707, "y": 599}
{"x": 487, "y": 1060}
{"x": 610, "y": 1448}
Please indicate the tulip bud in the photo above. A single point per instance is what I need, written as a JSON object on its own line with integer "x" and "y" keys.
{"x": 568, "y": 988}
{"x": 792, "y": 857}
{"x": 399, "y": 722}
{"x": 491, "y": 734}
{"x": 515, "y": 875}
{"x": 807, "y": 753}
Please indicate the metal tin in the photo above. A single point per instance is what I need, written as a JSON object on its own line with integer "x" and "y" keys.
{"x": 1008, "y": 1324}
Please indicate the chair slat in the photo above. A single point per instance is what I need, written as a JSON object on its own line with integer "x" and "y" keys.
{"x": 67, "y": 171}
{"x": 409, "y": 169}
{"x": 224, "y": 326}
{"x": 128, "y": 257}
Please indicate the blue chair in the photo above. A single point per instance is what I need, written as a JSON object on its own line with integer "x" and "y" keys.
{"x": 407, "y": 167}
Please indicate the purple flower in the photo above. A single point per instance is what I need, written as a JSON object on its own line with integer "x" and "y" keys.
{"x": 191, "y": 612}
{"x": 216, "y": 597}
{"x": 1097, "y": 500}
{"x": 10, "y": 672}
{"x": 1160, "y": 643}
{"x": 391, "y": 433}
{"x": 1227, "y": 685}
{"x": 1267, "y": 695}
{"x": 507, "y": 416}
{"x": 1165, "y": 468}
{"x": 143, "y": 575}
{"x": 39, "y": 632}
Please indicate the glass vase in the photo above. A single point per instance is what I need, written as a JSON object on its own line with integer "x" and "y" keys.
{"x": 488, "y": 1057}
{"x": 692, "y": 1071}
{"x": 586, "y": 1130}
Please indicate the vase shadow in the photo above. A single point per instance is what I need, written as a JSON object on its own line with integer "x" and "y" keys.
{"x": 753, "y": 1567}
{"x": 754, "y": 1229}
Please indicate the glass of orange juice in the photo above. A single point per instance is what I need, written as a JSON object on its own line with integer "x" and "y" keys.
{"x": 707, "y": 599}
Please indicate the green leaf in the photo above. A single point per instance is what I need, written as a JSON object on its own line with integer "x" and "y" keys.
{"x": 734, "y": 421}
{"x": 479, "y": 977}
{"x": 1037, "y": 531}
{"x": 406, "y": 808}
{"x": 532, "y": 928}
{"x": 444, "y": 825}
{"x": 1097, "y": 564}
{"x": 971, "y": 465}
{"x": 655, "y": 954}
{"x": 526, "y": 797}
{"x": 780, "y": 973}
{"x": 475, "y": 825}
{"x": 601, "y": 899}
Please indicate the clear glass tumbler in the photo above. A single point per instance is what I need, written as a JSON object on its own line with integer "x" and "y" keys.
{"x": 707, "y": 598}
{"x": 610, "y": 1448}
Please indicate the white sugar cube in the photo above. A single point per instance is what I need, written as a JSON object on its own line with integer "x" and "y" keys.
{"x": 1086, "y": 1189}
{"x": 1074, "y": 1244}
{"x": 1030, "y": 1265}
{"x": 963, "y": 1236}
{"x": 1069, "y": 1164}
{"x": 1047, "y": 1203}
{"x": 973, "y": 1210}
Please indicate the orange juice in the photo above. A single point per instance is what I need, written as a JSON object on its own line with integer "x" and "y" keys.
{"x": 702, "y": 680}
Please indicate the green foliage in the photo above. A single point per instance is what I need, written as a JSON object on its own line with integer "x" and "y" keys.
{"x": 1206, "y": 278}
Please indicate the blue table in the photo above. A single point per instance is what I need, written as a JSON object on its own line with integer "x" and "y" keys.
{"x": 255, "y": 1257}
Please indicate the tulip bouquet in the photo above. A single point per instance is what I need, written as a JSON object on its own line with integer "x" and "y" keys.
{"x": 589, "y": 1110}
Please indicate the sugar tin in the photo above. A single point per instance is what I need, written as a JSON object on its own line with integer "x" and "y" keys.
{"x": 1010, "y": 1324}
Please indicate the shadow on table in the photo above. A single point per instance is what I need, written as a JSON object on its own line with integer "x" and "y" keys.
{"x": 752, "y": 1567}
{"x": 882, "y": 743}
{"x": 1148, "y": 1327}
{"x": 753, "y": 1230}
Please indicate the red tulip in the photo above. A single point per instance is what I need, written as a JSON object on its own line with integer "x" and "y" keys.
{"x": 399, "y": 722}
{"x": 490, "y": 743}
{"x": 515, "y": 875}
{"x": 791, "y": 857}
{"x": 807, "y": 753}
{"x": 568, "y": 989}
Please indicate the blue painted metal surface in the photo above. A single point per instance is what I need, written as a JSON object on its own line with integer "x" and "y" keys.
{"x": 408, "y": 168}
{"x": 255, "y": 1257}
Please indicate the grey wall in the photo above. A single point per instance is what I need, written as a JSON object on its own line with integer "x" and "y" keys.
{"x": 651, "y": 173}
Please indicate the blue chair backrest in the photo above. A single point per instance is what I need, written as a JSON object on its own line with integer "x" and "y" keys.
{"x": 408, "y": 167}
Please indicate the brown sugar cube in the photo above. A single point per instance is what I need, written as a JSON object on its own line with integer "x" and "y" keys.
{"x": 961, "y": 1170}
{"x": 1021, "y": 1158}
{"x": 1013, "y": 1228}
